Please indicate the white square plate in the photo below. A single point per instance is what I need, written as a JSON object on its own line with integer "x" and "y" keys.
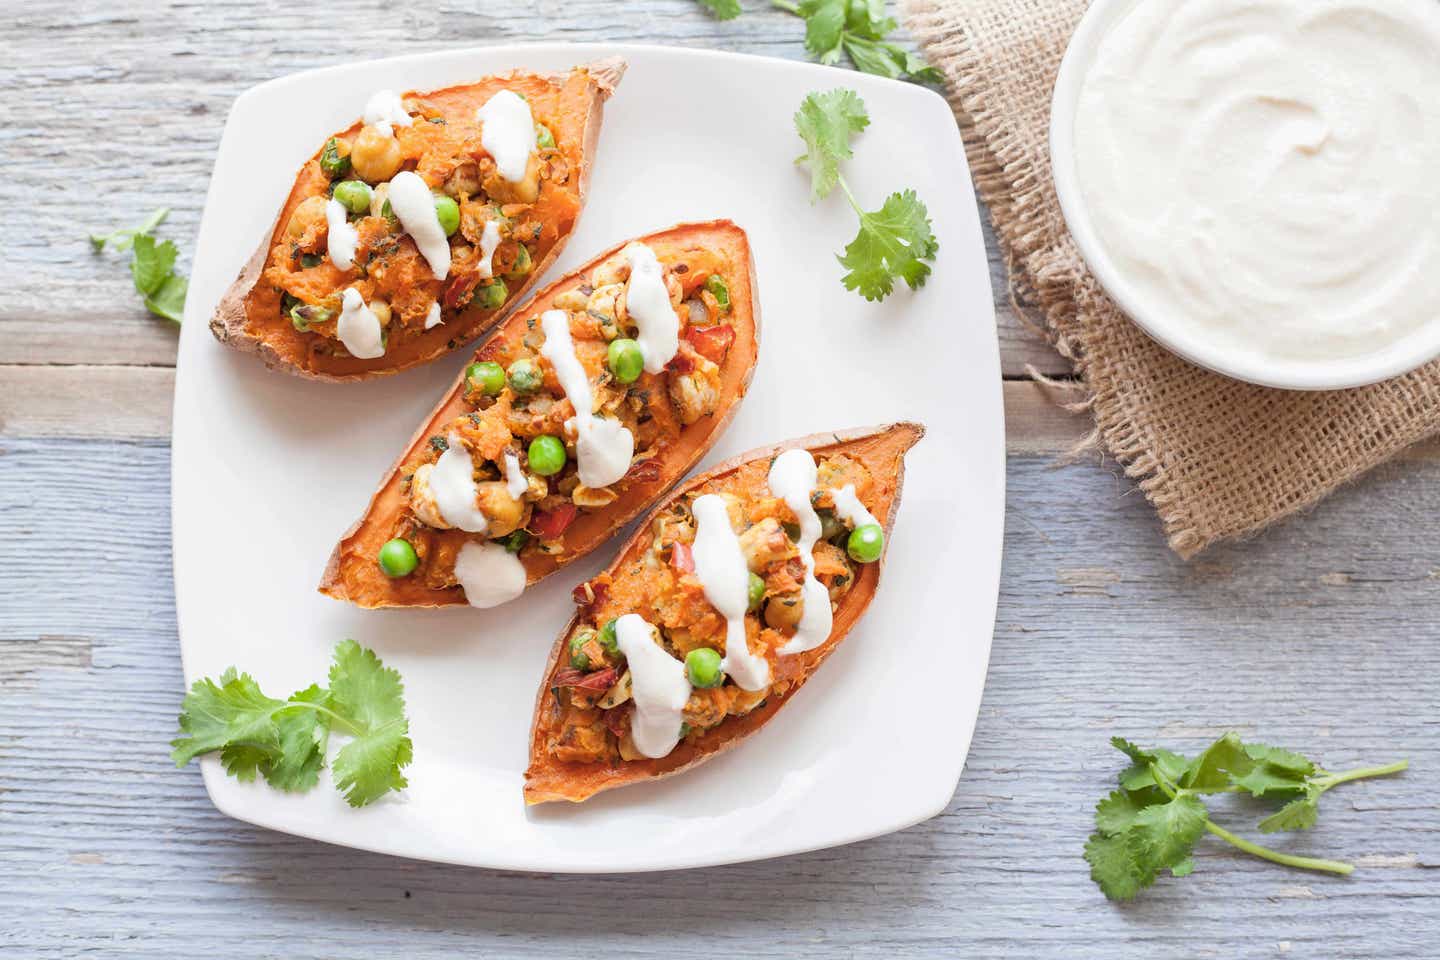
{"x": 268, "y": 470}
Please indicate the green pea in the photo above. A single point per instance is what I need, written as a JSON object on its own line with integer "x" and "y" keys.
{"x": 397, "y": 558}
{"x": 308, "y": 260}
{"x": 579, "y": 659}
{"x": 866, "y": 543}
{"x": 524, "y": 376}
{"x": 547, "y": 455}
{"x": 703, "y": 666}
{"x": 492, "y": 295}
{"x": 488, "y": 376}
{"x": 719, "y": 290}
{"x": 516, "y": 541}
{"x": 544, "y": 139}
{"x": 523, "y": 263}
{"x": 447, "y": 211}
{"x": 331, "y": 162}
{"x": 756, "y": 592}
{"x": 608, "y": 639}
{"x": 354, "y": 195}
{"x": 625, "y": 359}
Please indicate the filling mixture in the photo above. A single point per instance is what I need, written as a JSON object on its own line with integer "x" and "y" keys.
{"x": 418, "y": 217}
{"x": 562, "y": 418}
{"x": 731, "y": 584}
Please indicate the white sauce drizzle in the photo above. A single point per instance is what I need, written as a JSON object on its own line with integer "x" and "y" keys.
{"x": 515, "y": 481}
{"x": 721, "y": 569}
{"x": 659, "y": 687}
{"x": 432, "y": 318}
{"x": 508, "y": 133}
{"x": 603, "y": 448}
{"x": 452, "y": 482}
{"x": 489, "y": 240}
{"x": 359, "y": 328}
{"x": 386, "y": 108}
{"x": 489, "y": 574}
{"x": 341, "y": 239}
{"x": 792, "y": 477}
{"x": 849, "y": 508}
{"x": 413, "y": 203}
{"x": 648, "y": 303}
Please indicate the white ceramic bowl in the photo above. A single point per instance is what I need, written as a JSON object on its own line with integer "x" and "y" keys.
{"x": 1173, "y": 333}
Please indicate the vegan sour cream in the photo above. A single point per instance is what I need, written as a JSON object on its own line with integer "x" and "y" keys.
{"x": 1266, "y": 173}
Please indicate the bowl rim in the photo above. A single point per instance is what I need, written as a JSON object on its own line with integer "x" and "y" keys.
{"x": 1398, "y": 358}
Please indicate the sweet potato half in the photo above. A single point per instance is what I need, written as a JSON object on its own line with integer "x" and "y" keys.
{"x": 291, "y": 268}
{"x": 718, "y": 340}
{"x": 580, "y": 742}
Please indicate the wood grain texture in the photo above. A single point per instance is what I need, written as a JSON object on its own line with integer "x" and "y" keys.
{"x": 139, "y": 128}
{"x": 1320, "y": 635}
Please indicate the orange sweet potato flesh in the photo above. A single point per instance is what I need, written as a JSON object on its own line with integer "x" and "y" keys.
{"x": 880, "y": 449}
{"x": 353, "y": 573}
{"x": 249, "y": 316}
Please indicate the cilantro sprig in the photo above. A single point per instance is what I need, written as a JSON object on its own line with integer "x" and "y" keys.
{"x": 894, "y": 241}
{"x": 286, "y": 741}
{"x": 152, "y": 265}
{"x": 858, "y": 29}
{"x": 1154, "y": 820}
{"x": 722, "y": 9}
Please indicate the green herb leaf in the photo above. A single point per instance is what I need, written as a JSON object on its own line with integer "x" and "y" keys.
{"x": 1211, "y": 772}
{"x": 152, "y": 263}
{"x": 1113, "y": 866}
{"x": 169, "y": 300}
{"x": 723, "y": 9}
{"x": 371, "y": 697}
{"x": 894, "y": 241}
{"x": 1299, "y": 814}
{"x": 858, "y": 28}
{"x": 826, "y": 122}
{"x": 1165, "y": 833}
{"x": 285, "y": 740}
{"x": 122, "y": 239}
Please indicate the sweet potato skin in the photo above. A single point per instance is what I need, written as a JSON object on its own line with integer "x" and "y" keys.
{"x": 241, "y": 319}
{"x": 883, "y": 450}
{"x": 352, "y": 573}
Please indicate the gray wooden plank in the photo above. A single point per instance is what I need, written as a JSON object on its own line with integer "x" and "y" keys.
{"x": 113, "y": 114}
{"x": 1319, "y": 634}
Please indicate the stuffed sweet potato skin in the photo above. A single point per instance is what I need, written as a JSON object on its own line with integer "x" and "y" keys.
{"x": 882, "y": 450}
{"x": 352, "y": 573}
{"x": 249, "y": 316}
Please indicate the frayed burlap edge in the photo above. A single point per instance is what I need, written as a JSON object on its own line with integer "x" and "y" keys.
{"x": 1046, "y": 273}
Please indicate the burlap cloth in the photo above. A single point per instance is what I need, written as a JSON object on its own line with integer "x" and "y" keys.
{"x": 1217, "y": 458}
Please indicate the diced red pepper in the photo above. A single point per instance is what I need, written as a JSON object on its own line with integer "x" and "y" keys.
{"x": 680, "y": 364}
{"x": 458, "y": 288}
{"x": 549, "y": 524}
{"x": 712, "y": 343}
{"x": 616, "y": 719}
{"x": 681, "y": 558}
{"x": 598, "y": 681}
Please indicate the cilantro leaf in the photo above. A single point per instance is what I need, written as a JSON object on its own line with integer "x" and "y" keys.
{"x": 858, "y": 29}
{"x": 826, "y": 122}
{"x": 1299, "y": 814}
{"x": 169, "y": 300}
{"x": 371, "y": 697}
{"x": 1113, "y": 866}
{"x": 894, "y": 241}
{"x": 1279, "y": 759}
{"x": 216, "y": 714}
{"x": 723, "y": 9}
{"x": 152, "y": 263}
{"x": 1211, "y": 772}
{"x": 1116, "y": 813}
{"x": 285, "y": 740}
{"x": 1165, "y": 833}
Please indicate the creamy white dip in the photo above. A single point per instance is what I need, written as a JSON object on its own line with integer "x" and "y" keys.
{"x": 1266, "y": 173}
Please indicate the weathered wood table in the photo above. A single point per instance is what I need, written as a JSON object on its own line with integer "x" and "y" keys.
{"x": 1320, "y": 634}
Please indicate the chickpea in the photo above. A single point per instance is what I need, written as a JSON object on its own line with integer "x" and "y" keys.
{"x": 374, "y": 156}
{"x": 307, "y": 218}
{"x": 381, "y": 309}
{"x": 783, "y": 613}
